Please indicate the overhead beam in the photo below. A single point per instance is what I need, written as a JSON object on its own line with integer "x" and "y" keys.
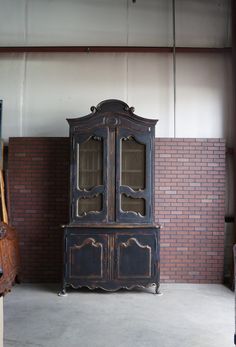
{"x": 111, "y": 49}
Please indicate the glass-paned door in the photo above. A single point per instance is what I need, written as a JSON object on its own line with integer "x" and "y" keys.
{"x": 133, "y": 176}
{"x": 89, "y": 176}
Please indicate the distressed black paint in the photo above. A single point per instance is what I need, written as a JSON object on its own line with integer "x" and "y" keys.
{"x": 111, "y": 248}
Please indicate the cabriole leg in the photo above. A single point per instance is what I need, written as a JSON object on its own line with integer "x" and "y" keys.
{"x": 63, "y": 292}
{"x": 157, "y": 290}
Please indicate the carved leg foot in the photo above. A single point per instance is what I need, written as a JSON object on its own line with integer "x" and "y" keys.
{"x": 157, "y": 290}
{"x": 62, "y": 292}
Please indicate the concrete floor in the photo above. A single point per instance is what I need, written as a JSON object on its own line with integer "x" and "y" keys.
{"x": 185, "y": 316}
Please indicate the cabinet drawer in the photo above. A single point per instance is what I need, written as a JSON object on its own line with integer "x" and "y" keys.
{"x": 87, "y": 256}
{"x": 135, "y": 255}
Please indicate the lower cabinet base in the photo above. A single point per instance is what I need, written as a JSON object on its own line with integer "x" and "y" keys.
{"x": 110, "y": 287}
{"x": 111, "y": 258}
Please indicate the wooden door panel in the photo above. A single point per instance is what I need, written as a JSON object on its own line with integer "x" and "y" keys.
{"x": 87, "y": 257}
{"x": 134, "y": 256}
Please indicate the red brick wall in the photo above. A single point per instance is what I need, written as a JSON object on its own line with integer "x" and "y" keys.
{"x": 189, "y": 199}
{"x": 38, "y": 181}
{"x": 190, "y": 206}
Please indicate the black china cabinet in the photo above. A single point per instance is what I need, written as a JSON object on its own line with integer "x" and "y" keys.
{"x": 111, "y": 241}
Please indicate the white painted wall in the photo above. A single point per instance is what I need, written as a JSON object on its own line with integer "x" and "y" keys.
{"x": 40, "y": 90}
{"x": 112, "y": 22}
{"x": 81, "y": 22}
{"x": 12, "y": 22}
{"x": 11, "y": 89}
{"x": 204, "y": 23}
{"x": 203, "y": 96}
{"x": 61, "y": 86}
